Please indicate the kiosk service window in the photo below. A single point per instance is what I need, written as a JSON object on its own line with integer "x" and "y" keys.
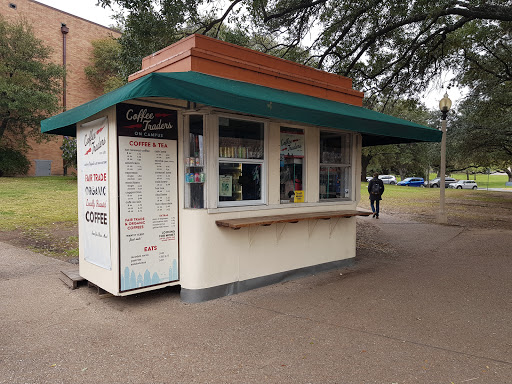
{"x": 291, "y": 165}
{"x": 195, "y": 163}
{"x": 335, "y": 167}
{"x": 241, "y": 162}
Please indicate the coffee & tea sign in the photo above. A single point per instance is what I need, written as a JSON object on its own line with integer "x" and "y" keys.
{"x": 146, "y": 122}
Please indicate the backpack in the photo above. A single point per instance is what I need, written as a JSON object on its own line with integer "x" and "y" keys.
{"x": 375, "y": 188}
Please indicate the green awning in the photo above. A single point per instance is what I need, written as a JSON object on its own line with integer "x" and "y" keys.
{"x": 376, "y": 128}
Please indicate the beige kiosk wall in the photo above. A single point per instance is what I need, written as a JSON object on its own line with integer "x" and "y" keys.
{"x": 222, "y": 256}
{"x": 213, "y": 256}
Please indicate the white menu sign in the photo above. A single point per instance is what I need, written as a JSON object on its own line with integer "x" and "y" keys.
{"x": 93, "y": 194}
{"x": 148, "y": 211}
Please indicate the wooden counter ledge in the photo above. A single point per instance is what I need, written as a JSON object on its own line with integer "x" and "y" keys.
{"x": 291, "y": 218}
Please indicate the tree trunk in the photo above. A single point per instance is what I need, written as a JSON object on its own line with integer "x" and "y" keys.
{"x": 401, "y": 171}
{"x": 3, "y": 126}
{"x": 365, "y": 160}
{"x": 509, "y": 174}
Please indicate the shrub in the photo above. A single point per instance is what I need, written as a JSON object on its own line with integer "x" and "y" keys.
{"x": 69, "y": 151}
{"x": 13, "y": 162}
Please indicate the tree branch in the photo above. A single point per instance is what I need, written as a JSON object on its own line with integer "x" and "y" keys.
{"x": 304, "y": 5}
{"x": 345, "y": 31}
{"x": 220, "y": 20}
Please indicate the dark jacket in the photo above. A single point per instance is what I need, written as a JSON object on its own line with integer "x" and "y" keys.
{"x": 381, "y": 189}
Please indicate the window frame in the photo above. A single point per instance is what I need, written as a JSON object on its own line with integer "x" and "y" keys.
{"x": 304, "y": 161}
{"x": 206, "y": 150}
{"x": 348, "y": 167}
{"x": 264, "y": 163}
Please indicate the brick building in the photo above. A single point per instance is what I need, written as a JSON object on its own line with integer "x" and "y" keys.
{"x": 70, "y": 37}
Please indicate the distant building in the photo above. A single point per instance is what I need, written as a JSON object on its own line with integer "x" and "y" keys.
{"x": 70, "y": 38}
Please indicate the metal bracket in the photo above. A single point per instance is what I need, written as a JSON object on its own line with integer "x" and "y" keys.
{"x": 311, "y": 227}
{"x": 251, "y": 231}
{"x": 279, "y": 231}
{"x": 333, "y": 226}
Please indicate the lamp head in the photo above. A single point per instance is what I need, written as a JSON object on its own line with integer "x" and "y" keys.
{"x": 445, "y": 104}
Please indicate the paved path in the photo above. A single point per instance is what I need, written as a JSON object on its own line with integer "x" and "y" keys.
{"x": 434, "y": 307}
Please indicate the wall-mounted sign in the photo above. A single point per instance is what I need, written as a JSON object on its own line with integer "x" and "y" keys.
{"x": 148, "y": 199}
{"x": 147, "y": 122}
{"x": 92, "y": 152}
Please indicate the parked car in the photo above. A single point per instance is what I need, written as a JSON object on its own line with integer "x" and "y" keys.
{"x": 436, "y": 182}
{"x": 386, "y": 179}
{"x": 464, "y": 184}
{"x": 413, "y": 182}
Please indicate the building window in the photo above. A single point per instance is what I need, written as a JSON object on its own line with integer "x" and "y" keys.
{"x": 241, "y": 162}
{"x": 292, "y": 165}
{"x": 335, "y": 181}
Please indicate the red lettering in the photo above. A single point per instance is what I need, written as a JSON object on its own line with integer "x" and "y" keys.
{"x": 100, "y": 177}
{"x": 140, "y": 144}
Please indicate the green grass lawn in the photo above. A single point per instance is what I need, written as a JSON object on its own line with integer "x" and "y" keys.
{"x": 44, "y": 210}
{"x": 38, "y": 202}
{"x": 34, "y": 202}
{"x": 483, "y": 181}
{"x": 425, "y": 201}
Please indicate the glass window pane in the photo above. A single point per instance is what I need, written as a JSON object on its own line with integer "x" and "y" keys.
{"x": 240, "y": 139}
{"x": 334, "y": 182}
{"x": 335, "y": 168}
{"x": 195, "y": 176}
{"x": 291, "y": 163}
{"x": 239, "y": 182}
{"x": 196, "y": 147}
{"x": 334, "y": 148}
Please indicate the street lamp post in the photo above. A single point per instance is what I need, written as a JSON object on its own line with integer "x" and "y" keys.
{"x": 444, "y": 105}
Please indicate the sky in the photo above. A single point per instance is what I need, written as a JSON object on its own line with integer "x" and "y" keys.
{"x": 85, "y": 9}
{"x": 88, "y": 10}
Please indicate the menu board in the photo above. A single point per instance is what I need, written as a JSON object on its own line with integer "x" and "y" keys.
{"x": 93, "y": 193}
{"x": 148, "y": 200}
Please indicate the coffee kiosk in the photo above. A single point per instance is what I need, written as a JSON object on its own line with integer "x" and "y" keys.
{"x": 221, "y": 169}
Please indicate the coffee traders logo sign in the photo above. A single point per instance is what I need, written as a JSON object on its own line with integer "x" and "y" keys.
{"x": 147, "y": 122}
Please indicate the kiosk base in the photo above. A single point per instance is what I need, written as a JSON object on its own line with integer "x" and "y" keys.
{"x": 205, "y": 294}
{"x": 72, "y": 278}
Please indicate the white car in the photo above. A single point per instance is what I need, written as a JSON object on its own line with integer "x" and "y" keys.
{"x": 464, "y": 184}
{"x": 386, "y": 179}
{"x": 436, "y": 182}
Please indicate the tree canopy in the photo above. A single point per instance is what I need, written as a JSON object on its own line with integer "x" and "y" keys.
{"x": 106, "y": 69}
{"x": 389, "y": 48}
{"x": 392, "y": 49}
{"x": 29, "y": 83}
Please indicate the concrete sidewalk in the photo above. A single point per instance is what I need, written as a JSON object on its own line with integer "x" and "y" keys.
{"x": 434, "y": 306}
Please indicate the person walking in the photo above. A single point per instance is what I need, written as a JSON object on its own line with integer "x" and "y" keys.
{"x": 375, "y": 189}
